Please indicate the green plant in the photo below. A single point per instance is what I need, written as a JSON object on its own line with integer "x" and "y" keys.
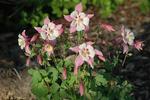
{"x": 87, "y": 74}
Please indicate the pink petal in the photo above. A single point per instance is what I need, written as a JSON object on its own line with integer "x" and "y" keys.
{"x": 64, "y": 73}
{"x": 39, "y": 59}
{"x": 28, "y": 60}
{"x": 68, "y": 18}
{"x": 59, "y": 26}
{"x": 27, "y": 49}
{"x": 61, "y": 31}
{"x": 72, "y": 29}
{"x": 138, "y": 45}
{"x": 79, "y": 7}
{"x": 46, "y": 20}
{"x": 81, "y": 89}
{"x": 34, "y": 38}
{"x": 90, "y": 15}
{"x": 38, "y": 29}
{"x": 24, "y": 33}
{"x": 100, "y": 55}
{"x": 78, "y": 62}
{"x": 75, "y": 49}
{"x": 125, "y": 48}
{"x": 86, "y": 28}
{"x": 53, "y": 42}
{"x": 107, "y": 27}
{"x": 89, "y": 43}
{"x": 90, "y": 62}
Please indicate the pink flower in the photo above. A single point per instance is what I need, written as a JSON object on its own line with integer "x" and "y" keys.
{"x": 125, "y": 48}
{"x": 64, "y": 73}
{"x": 48, "y": 48}
{"x": 127, "y": 35}
{"x": 34, "y": 38}
{"x": 39, "y": 59}
{"x": 28, "y": 60}
{"x": 49, "y": 30}
{"x": 23, "y": 42}
{"x": 86, "y": 53}
{"x": 79, "y": 20}
{"x": 81, "y": 89}
{"x": 107, "y": 27}
{"x": 138, "y": 45}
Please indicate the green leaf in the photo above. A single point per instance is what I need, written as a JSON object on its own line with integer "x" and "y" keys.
{"x": 40, "y": 89}
{"x": 54, "y": 88}
{"x": 43, "y": 72}
{"x": 54, "y": 73}
{"x": 100, "y": 80}
{"x": 36, "y": 77}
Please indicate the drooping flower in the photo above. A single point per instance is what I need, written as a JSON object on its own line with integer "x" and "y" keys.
{"x": 138, "y": 45}
{"x": 49, "y": 31}
{"x": 79, "y": 20}
{"x": 81, "y": 89}
{"x": 39, "y": 59}
{"x": 24, "y": 41}
{"x": 86, "y": 53}
{"x": 48, "y": 48}
{"x": 128, "y": 39}
{"x": 107, "y": 27}
{"x": 64, "y": 73}
{"x": 127, "y": 35}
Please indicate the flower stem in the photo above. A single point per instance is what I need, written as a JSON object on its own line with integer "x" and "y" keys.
{"x": 125, "y": 57}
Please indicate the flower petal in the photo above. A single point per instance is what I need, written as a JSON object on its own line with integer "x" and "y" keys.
{"x": 78, "y": 62}
{"x": 75, "y": 49}
{"x": 81, "y": 89}
{"x": 38, "y": 29}
{"x": 39, "y": 59}
{"x": 24, "y": 33}
{"x": 68, "y": 18}
{"x": 28, "y": 60}
{"x": 64, "y": 73}
{"x": 90, "y": 62}
{"x": 100, "y": 55}
{"x": 27, "y": 49}
{"x": 46, "y": 20}
{"x": 79, "y": 7}
{"x": 90, "y": 15}
{"x": 125, "y": 48}
{"x": 72, "y": 29}
{"x": 34, "y": 38}
{"x": 138, "y": 45}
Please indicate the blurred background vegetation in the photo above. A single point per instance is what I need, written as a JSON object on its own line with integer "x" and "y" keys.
{"x": 32, "y": 12}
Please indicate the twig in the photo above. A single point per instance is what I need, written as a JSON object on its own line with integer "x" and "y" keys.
{"x": 124, "y": 59}
{"x": 17, "y": 73}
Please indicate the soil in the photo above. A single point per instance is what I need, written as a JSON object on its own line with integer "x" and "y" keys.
{"x": 15, "y": 81}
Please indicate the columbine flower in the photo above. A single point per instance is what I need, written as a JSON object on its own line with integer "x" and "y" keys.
{"x": 86, "y": 53}
{"x": 128, "y": 39}
{"x": 48, "y": 48}
{"x": 49, "y": 30}
{"x": 79, "y": 20}
{"x": 107, "y": 27}
{"x": 127, "y": 35}
{"x": 23, "y": 42}
{"x": 81, "y": 89}
{"x": 138, "y": 45}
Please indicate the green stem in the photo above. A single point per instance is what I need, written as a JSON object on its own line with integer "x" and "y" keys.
{"x": 124, "y": 59}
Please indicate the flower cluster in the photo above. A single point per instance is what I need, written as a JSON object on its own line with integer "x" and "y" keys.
{"x": 128, "y": 39}
{"x": 44, "y": 42}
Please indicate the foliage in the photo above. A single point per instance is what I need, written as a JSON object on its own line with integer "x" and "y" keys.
{"x": 88, "y": 74}
{"x": 36, "y": 10}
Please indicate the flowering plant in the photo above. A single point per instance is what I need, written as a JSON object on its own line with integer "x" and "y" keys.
{"x": 55, "y": 78}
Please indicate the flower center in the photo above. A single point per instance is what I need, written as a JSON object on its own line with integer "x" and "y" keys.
{"x": 48, "y": 48}
{"x": 85, "y": 52}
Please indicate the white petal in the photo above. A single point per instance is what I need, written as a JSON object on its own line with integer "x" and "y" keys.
{"x": 86, "y": 21}
{"x": 80, "y": 27}
{"x": 74, "y": 14}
